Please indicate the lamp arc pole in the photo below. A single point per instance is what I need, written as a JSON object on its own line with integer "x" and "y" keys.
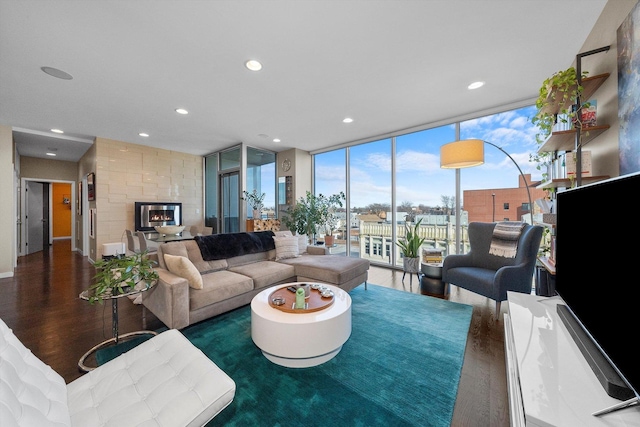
{"x": 524, "y": 178}
{"x": 467, "y": 153}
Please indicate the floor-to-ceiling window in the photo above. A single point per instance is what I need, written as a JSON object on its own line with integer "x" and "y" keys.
{"x": 261, "y": 176}
{"x": 211, "y": 191}
{"x": 513, "y": 132}
{"x": 370, "y": 202}
{"x": 230, "y": 189}
{"x": 399, "y": 179}
{"x": 424, "y": 191}
{"x": 330, "y": 178}
{"x": 225, "y": 181}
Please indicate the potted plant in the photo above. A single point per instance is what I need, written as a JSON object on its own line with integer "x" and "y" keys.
{"x": 311, "y": 212}
{"x": 410, "y": 247}
{"x": 331, "y": 224}
{"x": 254, "y": 200}
{"x": 122, "y": 274}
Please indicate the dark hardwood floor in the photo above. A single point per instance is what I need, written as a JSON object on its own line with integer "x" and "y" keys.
{"x": 41, "y": 304}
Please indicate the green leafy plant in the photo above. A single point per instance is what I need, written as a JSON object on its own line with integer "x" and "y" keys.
{"x": 412, "y": 242}
{"x": 311, "y": 212}
{"x": 555, "y": 102}
{"x": 254, "y": 199}
{"x": 122, "y": 274}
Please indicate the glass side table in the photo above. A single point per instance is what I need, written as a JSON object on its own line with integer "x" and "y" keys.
{"x": 114, "y": 325}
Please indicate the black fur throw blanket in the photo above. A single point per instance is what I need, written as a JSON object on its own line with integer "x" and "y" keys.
{"x": 221, "y": 246}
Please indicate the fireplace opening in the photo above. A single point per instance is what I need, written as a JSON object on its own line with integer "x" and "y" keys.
{"x": 151, "y": 214}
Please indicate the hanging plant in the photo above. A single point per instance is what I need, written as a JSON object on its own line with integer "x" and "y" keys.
{"x": 556, "y": 103}
{"x": 556, "y": 100}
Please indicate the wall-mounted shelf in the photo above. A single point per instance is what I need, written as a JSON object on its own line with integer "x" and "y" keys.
{"x": 589, "y": 84}
{"x": 551, "y": 268}
{"x": 566, "y": 182}
{"x": 564, "y": 140}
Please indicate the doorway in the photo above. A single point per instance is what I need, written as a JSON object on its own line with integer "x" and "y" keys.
{"x": 35, "y": 212}
{"x": 37, "y": 217}
{"x": 230, "y": 202}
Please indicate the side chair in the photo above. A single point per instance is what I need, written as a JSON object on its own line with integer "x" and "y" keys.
{"x": 146, "y": 244}
{"x": 132, "y": 243}
{"x": 490, "y": 275}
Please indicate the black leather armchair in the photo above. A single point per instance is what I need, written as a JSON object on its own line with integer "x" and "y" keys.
{"x": 490, "y": 275}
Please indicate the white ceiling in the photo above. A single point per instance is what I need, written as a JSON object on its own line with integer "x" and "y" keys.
{"x": 388, "y": 64}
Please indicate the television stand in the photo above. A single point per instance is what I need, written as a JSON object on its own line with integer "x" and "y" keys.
{"x": 549, "y": 381}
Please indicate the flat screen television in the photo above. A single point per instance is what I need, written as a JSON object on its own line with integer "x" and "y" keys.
{"x": 597, "y": 276}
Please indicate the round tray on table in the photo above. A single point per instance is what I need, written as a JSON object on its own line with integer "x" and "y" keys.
{"x": 315, "y": 302}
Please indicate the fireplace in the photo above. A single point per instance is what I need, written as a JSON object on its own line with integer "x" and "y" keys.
{"x": 150, "y": 214}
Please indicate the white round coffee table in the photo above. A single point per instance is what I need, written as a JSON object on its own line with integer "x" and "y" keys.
{"x": 300, "y": 340}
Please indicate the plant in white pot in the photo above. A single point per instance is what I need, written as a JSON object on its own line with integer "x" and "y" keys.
{"x": 410, "y": 246}
{"x": 254, "y": 200}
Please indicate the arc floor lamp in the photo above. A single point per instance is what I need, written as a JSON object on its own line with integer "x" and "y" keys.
{"x": 468, "y": 153}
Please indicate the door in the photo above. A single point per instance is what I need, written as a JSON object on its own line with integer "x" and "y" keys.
{"x": 230, "y": 202}
{"x": 37, "y": 216}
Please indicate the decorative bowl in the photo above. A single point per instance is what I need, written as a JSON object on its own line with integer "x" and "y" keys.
{"x": 169, "y": 229}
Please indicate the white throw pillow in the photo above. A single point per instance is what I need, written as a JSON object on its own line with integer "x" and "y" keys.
{"x": 303, "y": 242}
{"x": 285, "y": 233}
{"x": 286, "y": 247}
{"x": 183, "y": 267}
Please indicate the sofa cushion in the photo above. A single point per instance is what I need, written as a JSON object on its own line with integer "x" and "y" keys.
{"x": 333, "y": 269}
{"x": 303, "y": 242}
{"x": 286, "y": 247}
{"x": 219, "y": 286}
{"x": 191, "y": 250}
{"x": 250, "y": 258}
{"x": 32, "y": 393}
{"x": 266, "y": 273}
{"x": 181, "y": 266}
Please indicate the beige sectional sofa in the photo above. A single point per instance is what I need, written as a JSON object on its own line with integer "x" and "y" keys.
{"x": 210, "y": 275}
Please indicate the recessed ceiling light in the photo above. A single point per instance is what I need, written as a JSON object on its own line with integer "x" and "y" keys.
{"x": 347, "y": 120}
{"x": 54, "y": 72}
{"x": 475, "y": 85}
{"x": 145, "y": 135}
{"x": 276, "y": 140}
{"x": 181, "y": 111}
{"x": 51, "y": 154}
{"x": 57, "y": 131}
{"x": 253, "y": 65}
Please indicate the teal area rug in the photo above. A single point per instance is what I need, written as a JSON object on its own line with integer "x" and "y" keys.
{"x": 400, "y": 367}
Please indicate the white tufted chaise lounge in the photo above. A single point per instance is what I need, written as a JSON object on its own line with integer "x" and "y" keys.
{"x": 165, "y": 381}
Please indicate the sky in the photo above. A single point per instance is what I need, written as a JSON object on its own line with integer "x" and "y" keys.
{"x": 420, "y": 180}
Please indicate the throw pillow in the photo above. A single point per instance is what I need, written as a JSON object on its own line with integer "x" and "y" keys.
{"x": 286, "y": 247}
{"x": 181, "y": 266}
{"x": 285, "y": 233}
{"x": 303, "y": 242}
